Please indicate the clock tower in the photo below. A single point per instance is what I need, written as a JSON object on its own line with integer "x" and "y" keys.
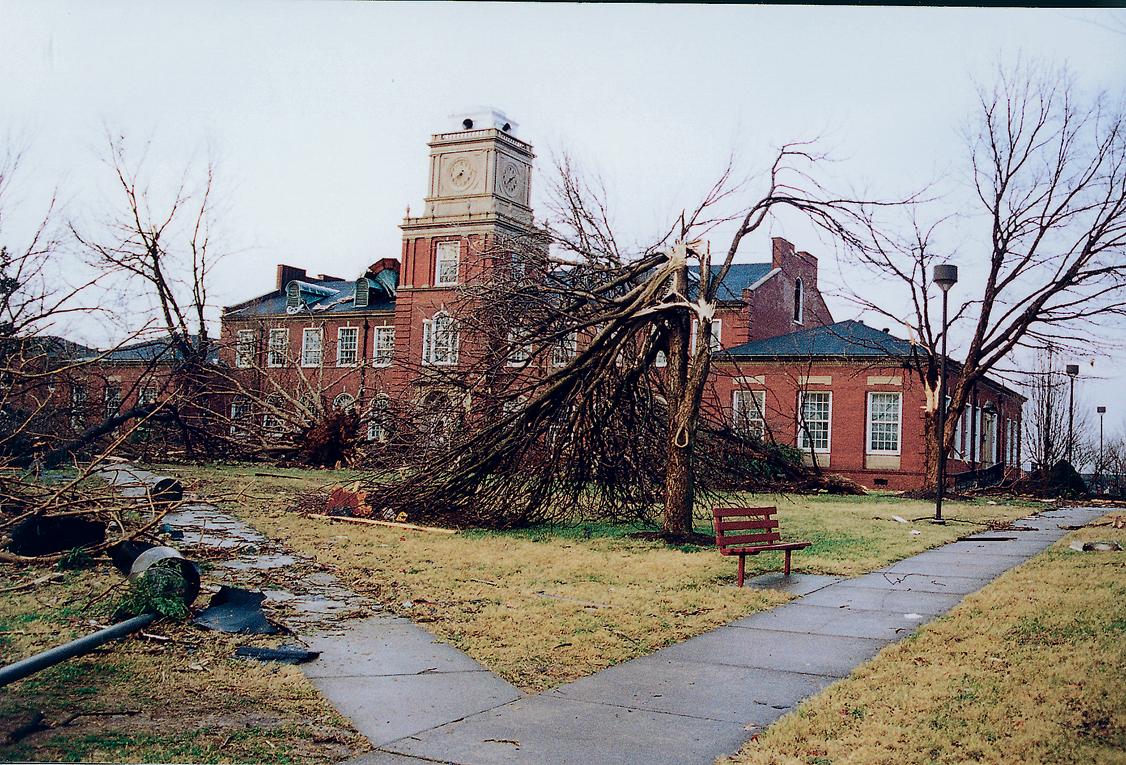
{"x": 478, "y": 199}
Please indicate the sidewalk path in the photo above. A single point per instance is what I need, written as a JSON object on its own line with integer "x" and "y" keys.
{"x": 390, "y": 677}
{"x": 702, "y": 698}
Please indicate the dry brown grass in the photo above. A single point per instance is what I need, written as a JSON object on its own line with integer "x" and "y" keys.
{"x": 1030, "y": 670}
{"x": 185, "y": 699}
{"x": 547, "y": 605}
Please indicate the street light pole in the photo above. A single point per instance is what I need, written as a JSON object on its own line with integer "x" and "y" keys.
{"x": 945, "y": 276}
{"x": 1072, "y": 372}
{"x": 1099, "y": 468}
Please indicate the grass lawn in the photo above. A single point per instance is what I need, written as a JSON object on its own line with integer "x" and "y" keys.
{"x": 181, "y": 699}
{"x": 1031, "y": 669}
{"x": 546, "y": 605}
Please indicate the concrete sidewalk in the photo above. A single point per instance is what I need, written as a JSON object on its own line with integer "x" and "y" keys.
{"x": 700, "y": 699}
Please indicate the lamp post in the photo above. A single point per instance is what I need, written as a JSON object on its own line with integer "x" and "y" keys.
{"x": 945, "y": 276}
{"x": 1072, "y": 372}
{"x": 1099, "y": 468}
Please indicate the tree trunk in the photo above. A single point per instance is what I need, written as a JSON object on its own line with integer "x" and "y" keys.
{"x": 679, "y": 495}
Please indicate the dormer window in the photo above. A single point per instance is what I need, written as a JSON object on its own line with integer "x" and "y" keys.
{"x": 799, "y": 301}
{"x": 447, "y": 258}
{"x": 362, "y": 293}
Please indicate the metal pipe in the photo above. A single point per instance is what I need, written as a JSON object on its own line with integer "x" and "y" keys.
{"x": 33, "y": 664}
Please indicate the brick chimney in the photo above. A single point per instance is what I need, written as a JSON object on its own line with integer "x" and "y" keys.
{"x": 286, "y": 274}
{"x": 781, "y": 250}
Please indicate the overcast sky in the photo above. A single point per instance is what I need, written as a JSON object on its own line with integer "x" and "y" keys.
{"x": 319, "y": 113}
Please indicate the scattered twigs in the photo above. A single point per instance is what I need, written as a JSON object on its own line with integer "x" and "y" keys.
{"x": 391, "y": 524}
{"x": 33, "y": 582}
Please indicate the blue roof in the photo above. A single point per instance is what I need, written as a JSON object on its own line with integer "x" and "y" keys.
{"x": 739, "y": 277}
{"x": 158, "y": 349}
{"x": 845, "y": 338}
{"x": 274, "y": 303}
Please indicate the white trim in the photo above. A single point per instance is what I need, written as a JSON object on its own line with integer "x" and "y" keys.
{"x": 717, "y": 335}
{"x": 439, "y": 255}
{"x": 898, "y": 423}
{"x": 740, "y": 420}
{"x": 244, "y": 349}
{"x": 829, "y": 422}
{"x": 340, "y": 346}
{"x": 799, "y": 301}
{"x": 772, "y": 273}
{"x": 283, "y": 348}
{"x": 386, "y": 330}
{"x": 305, "y": 347}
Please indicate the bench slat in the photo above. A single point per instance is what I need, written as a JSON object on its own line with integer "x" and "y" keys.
{"x": 766, "y": 523}
{"x": 727, "y": 512}
{"x": 766, "y": 548}
{"x": 750, "y": 539}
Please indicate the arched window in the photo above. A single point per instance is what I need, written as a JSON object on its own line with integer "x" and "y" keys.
{"x": 344, "y": 402}
{"x": 799, "y": 301}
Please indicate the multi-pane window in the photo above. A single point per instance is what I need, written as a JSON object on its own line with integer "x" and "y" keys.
{"x": 747, "y": 407}
{"x": 146, "y": 395}
{"x": 271, "y": 416}
{"x": 379, "y": 419}
{"x": 244, "y": 349}
{"x": 279, "y": 347}
{"x": 312, "y": 346}
{"x": 814, "y": 420}
{"x": 384, "y": 346}
{"x": 446, "y": 259}
{"x": 717, "y": 332}
{"x": 884, "y": 414}
{"x": 240, "y": 412}
{"x": 440, "y": 340}
{"x": 112, "y": 399}
{"x": 565, "y": 349}
{"x": 344, "y": 402}
{"x": 77, "y": 406}
{"x": 347, "y": 341}
{"x": 519, "y": 351}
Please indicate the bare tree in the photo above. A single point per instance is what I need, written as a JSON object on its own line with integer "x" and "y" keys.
{"x": 599, "y": 358}
{"x": 1048, "y": 172}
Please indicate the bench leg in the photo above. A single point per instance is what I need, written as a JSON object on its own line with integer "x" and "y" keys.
{"x": 742, "y": 558}
{"x": 788, "y": 562}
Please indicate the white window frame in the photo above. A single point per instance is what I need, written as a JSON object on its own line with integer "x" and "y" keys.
{"x": 342, "y": 402}
{"x": 272, "y": 424}
{"x": 307, "y": 351}
{"x": 869, "y": 449}
{"x": 244, "y": 348}
{"x": 799, "y": 301}
{"x": 661, "y": 359}
{"x": 803, "y": 442}
{"x": 241, "y": 410}
{"x": 744, "y": 420}
{"x": 377, "y": 426}
{"x": 447, "y": 254}
{"x": 112, "y": 399}
{"x": 519, "y": 354}
{"x": 565, "y": 349}
{"x": 342, "y": 349}
{"x": 383, "y": 346}
{"x": 278, "y": 352}
{"x": 147, "y": 394}
{"x": 430, "y": 337}
{"x": 716, "y": 342}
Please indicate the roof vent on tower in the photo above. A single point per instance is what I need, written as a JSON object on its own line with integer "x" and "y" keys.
{"x": 484, "y": 118}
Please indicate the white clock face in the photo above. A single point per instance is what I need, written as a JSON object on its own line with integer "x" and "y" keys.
{"x": 462, "y": 174}
{"x": 511, "y": 180}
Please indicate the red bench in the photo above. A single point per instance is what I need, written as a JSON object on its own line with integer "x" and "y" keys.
{"x": 747, "y": 531}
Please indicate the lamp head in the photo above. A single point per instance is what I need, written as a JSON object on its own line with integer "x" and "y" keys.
{"x": 1100, "y": 409}
{"x": 945, "y": 276}
{"x": 1073, "y": 370}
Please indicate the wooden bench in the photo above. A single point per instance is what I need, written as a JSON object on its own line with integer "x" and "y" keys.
{"x": 747, "y": 531}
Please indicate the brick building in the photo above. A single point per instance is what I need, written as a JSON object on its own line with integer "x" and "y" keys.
{"x": 386, "y": 335}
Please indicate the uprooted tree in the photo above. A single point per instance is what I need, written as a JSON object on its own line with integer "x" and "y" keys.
{"x": 582, "y": 384}
{"x": 1047, "y": 171}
